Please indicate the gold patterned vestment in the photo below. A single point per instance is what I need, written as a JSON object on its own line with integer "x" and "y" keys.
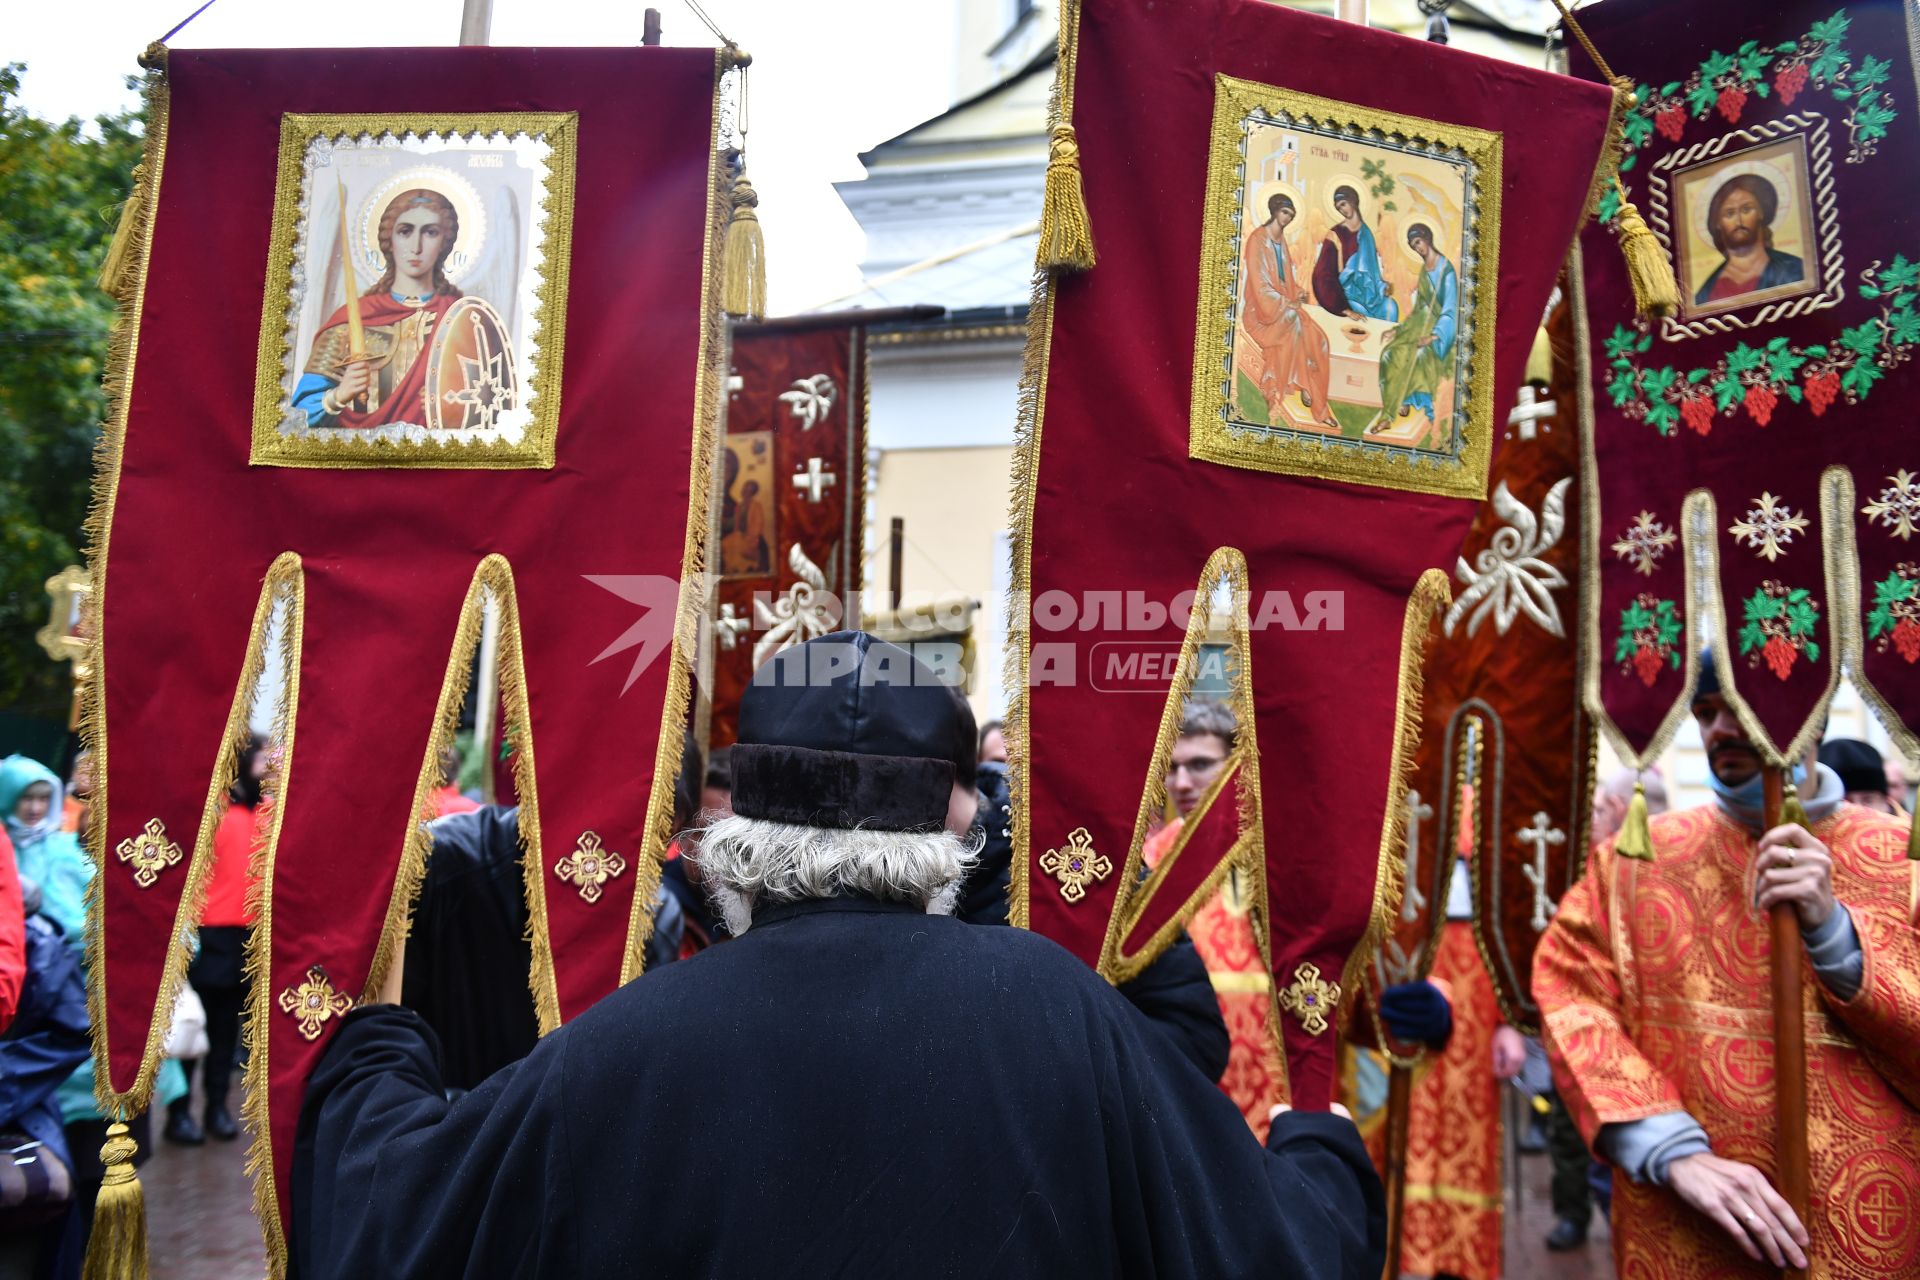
{"x": 1653, "y": 985}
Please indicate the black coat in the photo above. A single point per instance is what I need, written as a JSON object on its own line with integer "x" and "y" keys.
{"x": 468, "y": 951}
{"x": 850, "y": 1089}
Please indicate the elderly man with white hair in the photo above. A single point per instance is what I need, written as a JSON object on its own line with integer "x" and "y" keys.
{"x": 856, "y": 1085}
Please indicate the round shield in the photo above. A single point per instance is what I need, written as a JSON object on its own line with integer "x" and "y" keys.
{"x": 471, "y": 376}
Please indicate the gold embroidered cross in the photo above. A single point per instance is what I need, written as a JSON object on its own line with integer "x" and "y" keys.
{"x": 314, "y": 1001}
{"x": 589, "y": 866}
{"x": 150, "y": 853}
{"x": 1311, "y": 998}
{"x": 1076, "y": 866}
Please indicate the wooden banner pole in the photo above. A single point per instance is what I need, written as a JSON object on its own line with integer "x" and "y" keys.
{"x": 1399, "y": 1112}
{"x": 1789, "y": 1035}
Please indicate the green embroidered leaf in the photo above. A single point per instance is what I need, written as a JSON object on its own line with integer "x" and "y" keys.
{"x": 1717, "y": 64}
{"x": 1670, "y": 88}
{"x": 1782, "y": 363}
{"x": 1832, "y": 31}
{"x": 1761, "y": 607}
{"x": 1863, "y": 339}
{"x": 1620, "y": 342}
{"x": 1744, "y": 359}
{"x": 1637, "y": 129}
{"x": 1609, "y": 206}
{"x": 1794, "y": 393}
{"x": 1655, "y": 382}
{"x": 1813, "y": 651}
{"x": 1860, "y": 378}
{"x": 1726, "y": 394}
{"x": 1818, "y": 352}
{"x": 1904, "y": 327}
{"x": 1700, "y": 99}
{"x": 1623, "y": 389}
{"x": 1900, "y": 274}
{"x": 1624, "y": 648}
{"x": 1667, "y": 624}
{"x": 1751, "y": 637}
{"x": 1870, "y": 73}
{"x": 1646, "y": 341}
{"x": 1828, "y": 63}
{"x": 1871, "y": 120}
{"x": 1696, "y": 376}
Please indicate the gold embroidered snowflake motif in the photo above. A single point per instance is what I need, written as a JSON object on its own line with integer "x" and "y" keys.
{"x": 1311, "y": 998}
{"x": 149, "y": 853}
{"x": 314, "y": 1001}
{"x": 1077, "y": 865}
{"x": 1897, "y": 509}
{"x": 589, "y": 866}
{"x": 1768, "y": 527}
{"x": 1644, "y": 542}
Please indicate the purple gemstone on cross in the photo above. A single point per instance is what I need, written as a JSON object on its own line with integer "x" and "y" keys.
{"x": 1313, "y": 999}
{"x": 1075, "y": 864}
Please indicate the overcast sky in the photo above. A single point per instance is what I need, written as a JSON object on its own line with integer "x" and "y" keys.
{"x": 829, "y": 81}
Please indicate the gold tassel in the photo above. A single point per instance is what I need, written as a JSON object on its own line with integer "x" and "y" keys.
{"x": 113, "y": 269}
{"x": 1655, "y": 292}
{"x": 1066, "y": 236}
{"x": 744, "y": 286}
{"x": 117, "y": 1249}
{"x": 1792, "y": 811}
{"x": 1636, "y": 835}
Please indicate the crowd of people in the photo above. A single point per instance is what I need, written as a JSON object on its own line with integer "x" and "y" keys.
{"x": 865, "y": 1072}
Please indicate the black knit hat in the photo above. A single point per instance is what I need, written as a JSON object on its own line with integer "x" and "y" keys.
{"x": 848, "y": 731}
{"x": 1858, "y": 764}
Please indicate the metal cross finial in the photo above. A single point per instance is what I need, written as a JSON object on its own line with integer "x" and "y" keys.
{"x": 1412, "y": 900}
{"x": 1541, "y": 836}
{"x": 816, "y": 480}
{"x": 1532, "y": 410}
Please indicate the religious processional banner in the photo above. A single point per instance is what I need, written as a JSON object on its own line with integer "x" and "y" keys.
{"x": 792, "y": 501}
{"x": 1504, "y": 766}
{"x": 1323, "y": 253}
{"x": 400, "y": 329}
{"x": 1753, "y": 479}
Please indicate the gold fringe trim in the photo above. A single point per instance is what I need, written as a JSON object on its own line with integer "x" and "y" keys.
{"x": 1066, "y": 233}
{"x": 287, "y": 586}
{"x": 1248, "y": 852}
{"x": 1431, "y": 595}
{"x": 117, "y": 1247}
{"x": 418, "y": 845}
{"x": 691, "y": 614}
{"x": 113, "y": 268}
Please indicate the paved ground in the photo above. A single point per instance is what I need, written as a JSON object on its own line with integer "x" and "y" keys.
{"x": 200, "y": 1221}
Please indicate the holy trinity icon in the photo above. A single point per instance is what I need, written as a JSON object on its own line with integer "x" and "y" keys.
{"x": 1343, "y": 329}
{"x": 411, "y": 317}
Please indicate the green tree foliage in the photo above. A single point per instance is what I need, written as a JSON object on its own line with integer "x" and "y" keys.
{"x": 63, "y": 184}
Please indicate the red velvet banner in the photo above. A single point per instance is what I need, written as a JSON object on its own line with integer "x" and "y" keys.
{"x": 538, "y": 352}
{"x": 1750, "y": 440}
{"x": 1503, "y": 771}
{"x": 1367, "y": 355}
{"x": 790, "y": 544}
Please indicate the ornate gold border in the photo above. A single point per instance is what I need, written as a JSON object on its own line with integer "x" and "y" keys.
{"x": 1248, "y": 852}
{"x": 122, "y": 356}
{"x": 1210, "y": 439}
{"x": 1431, "y": 596}
{"x": 690, "y": 619}
{"x": 349, "y": 451}
{"x": 1839, "y": 521}
{"x": 287, "y": 581}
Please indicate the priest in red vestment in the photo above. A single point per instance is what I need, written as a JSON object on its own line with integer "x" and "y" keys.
{"x": 1653, "y": 985}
